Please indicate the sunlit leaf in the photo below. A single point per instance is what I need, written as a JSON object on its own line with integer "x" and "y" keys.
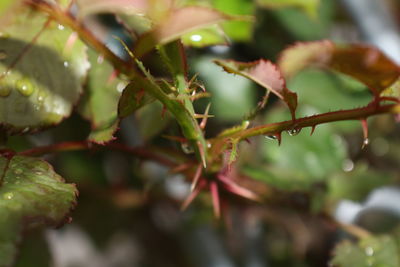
{"x": 31, "y": 195}
{"x": 364, "y": 63}
{"x": 41, "y": 82}
{"x": 212, "y": 35}
{"x": 265, "y": 74}
{"x": 87, "y": 7}
{"x": 371, "y": 251}
{"x": 309, "y": 6}
{"x": 100, "y": 100}
{"x": 179, "y": 22}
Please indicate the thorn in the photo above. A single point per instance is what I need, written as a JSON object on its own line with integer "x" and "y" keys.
{"x": 365, "y": 133}
{"x": 202, "y": 155}
{"x": 192, "y": 196}
{"x": 278, "y": 137}
{"x": 196, "y": 177}
{"x": 313, "y": 129}
{"x": 215, "y": 199}
{"x": 70, "y": 43}
{"x": 237, "y": 189}
{"x": 113, "y": 76}
{"x": 204, "y": 120}
{"x": 247, "y": 141}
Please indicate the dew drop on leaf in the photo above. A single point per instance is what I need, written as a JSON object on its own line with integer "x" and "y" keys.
{"x": 24, "y": 87}
{"x": 196, "y": 38}
{"x": 8, "y": 195}
{"x": 369, "y": 251}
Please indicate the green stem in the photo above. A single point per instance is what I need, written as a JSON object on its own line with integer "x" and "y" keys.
{"x": 188, "y": 124}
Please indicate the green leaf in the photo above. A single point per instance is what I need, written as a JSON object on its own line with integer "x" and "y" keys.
{"x": 133, "y": 97}
{"x": 31, "y": 195}
{"x": 212, "y": 35}
{"x": 364, "y": 63}
{"x": 239, "y": 31}
{"x": 265, "y": 74}
{"x": 100, "y": 100}
{"x": 178, "y": 23}
{"x": 308, "y": 6}
{"x": 377, "y": 251}
{"x": 41, "y": 82}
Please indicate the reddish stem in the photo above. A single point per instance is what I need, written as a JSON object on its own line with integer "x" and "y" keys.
{"x": 141, "y": 152}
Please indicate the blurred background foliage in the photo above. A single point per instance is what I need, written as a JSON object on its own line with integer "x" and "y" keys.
{"x": 128, "y": 212}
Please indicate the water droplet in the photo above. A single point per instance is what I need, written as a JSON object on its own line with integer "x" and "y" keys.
{"x": 271, "y": 137}
{"x": 60, "y": 27}
{"x": 100, "y": 59}
{"x": 365, "y": 143}
{"x": 188, "y": 149}
{"x": 18, "y": 171}
{"x": 25, "y": 130}
{"x": 196, "y": 38}
{"x": 3, "y": 55}
{"x": 348, "y": 165}
{"x": 294, "y": 131}
{"x": 8, "y": 195}
{"x": 24, "y": 87}
{"x": 37, "y": 107}
{"x": 41, "y": 96}
{"x": 120, "y": 87}
{"x": 66, "y": 64}
{"x": 369, "y": 251}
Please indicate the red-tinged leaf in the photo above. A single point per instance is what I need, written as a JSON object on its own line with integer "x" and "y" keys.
{"x": 266, "y": 74}
{"x": 87, "y": 7}
{"x": 364, "y": 63}
{"x": 300, "y": 55}
{"x": 179, "y": 22}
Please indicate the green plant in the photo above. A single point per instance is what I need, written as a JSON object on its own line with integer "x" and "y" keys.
{"x": 50, "y": 61}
